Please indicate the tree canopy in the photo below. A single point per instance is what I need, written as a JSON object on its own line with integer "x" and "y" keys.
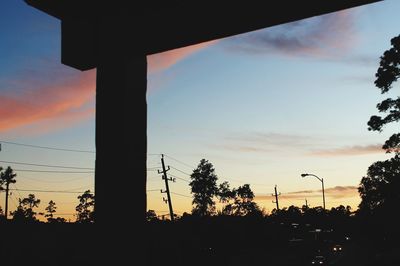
{"x": 204, "y": 187}
{"x": 379, "y": 188}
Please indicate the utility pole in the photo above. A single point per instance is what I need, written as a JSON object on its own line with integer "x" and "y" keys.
{"x": 8, "y": 177}
{"x": 306, "y": 204}
{"x": 164, "y": 172}
{"x": 7, "y": 189}
{"x": 276, "y": 198}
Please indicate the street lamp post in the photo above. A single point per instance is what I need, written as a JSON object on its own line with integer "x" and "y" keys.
{"x": 323, "y": 190}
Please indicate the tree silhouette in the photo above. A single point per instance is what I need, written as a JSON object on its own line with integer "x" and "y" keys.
{"x": 244, "y": 204}
{"x": 85, "y": 208}
{"x": 7, "y": 177}
{"x": 379, "y": 189}
{"x": 31, "y": 201}
{"x": 151, "y": 216}
{"x": 51, "y": 209}
{"x": 288, "y": 215}
{"x": 225, "y": 195}
{"x": 24, "y": 211}
{"x": 387, "y": 73}
{"x": 1, "y": 179}
{"x": 203, "y": 187}
{"x": 1, "y": 189}
{"x": 340, "y": 211}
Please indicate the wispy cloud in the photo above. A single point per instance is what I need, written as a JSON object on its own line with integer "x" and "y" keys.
{"x": 321, "y": 36}
{"x": 365, "y": 79}
{"x": 34, "y": 97}
{"x": 333, "y": 192}
{"x": 157, "y": 77}
{"x": 363, "y": 60}
{"x": 267, "y": 142}
{"x": 302, "y": 145}
{"x": 337, "y": 192}
{"x": 349, "y": 151}
{"x": 45, "y": 95}
{"x": 162, "y": 61}
{"x": 244, "y": 148}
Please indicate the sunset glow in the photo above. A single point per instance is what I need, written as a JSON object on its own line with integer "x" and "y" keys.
{"x": 262, "y": 107}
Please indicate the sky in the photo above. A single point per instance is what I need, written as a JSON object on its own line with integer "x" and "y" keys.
{"x": 262, "y": 107}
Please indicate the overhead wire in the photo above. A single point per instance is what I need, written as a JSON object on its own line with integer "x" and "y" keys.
{"x": 180, "y": 194}
{"x": 180, "y": 171}
{"x": 180, "y": 178}
{"x": 46, "y": 147}
{"x": 55, "y": 172}
{"x": 183, "y": 163}
{"x": 47, "y": 165}
{"x": 48, "y": 191}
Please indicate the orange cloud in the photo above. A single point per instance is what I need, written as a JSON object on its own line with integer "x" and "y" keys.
{"x": 350, "y": 151}
{"x": 162, "y": 61}
{"x": 337, "y": 192}
{"x": 48, "y": 96}
{"x": 64, "y": 102}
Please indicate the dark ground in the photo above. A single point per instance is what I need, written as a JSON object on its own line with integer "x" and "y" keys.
{"x": 233, "y": 241}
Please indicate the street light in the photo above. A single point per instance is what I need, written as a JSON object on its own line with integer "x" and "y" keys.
{"x": 322, "y": 181}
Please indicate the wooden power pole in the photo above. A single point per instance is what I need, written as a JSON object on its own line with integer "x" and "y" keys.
{"x": 276, "y": 198}
{"x": 166, "y": 179}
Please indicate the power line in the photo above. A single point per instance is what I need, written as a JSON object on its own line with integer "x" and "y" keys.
{"x": 152, "y": 168}
{"x": 180, "y": 171}
{"x": 180, "y": 195}
{"x": 49, "y": 171}
{"x": 49, "y": 191}
{"x": 52, "y": 181}
{"x": 177, "y": 177}
{"x": 232, "y": 179}
{"x": 153, "y": 190}
{"x": 47, "y": 165}
{"x": 179, "y": 161}
{"x": 13, "y": 201}
{"x": 17, "y": 190}
{"x": 244, "y": 182}
{"x": 45, "y": 147}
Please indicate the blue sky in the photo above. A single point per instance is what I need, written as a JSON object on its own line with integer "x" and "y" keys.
{"x": 263, "y": 107}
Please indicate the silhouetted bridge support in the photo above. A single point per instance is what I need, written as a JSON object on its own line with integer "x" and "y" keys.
{"x": 120, "y": 177}
{"x": 115, "y": 38}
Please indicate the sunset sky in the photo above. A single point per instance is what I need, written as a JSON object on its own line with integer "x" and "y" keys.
{"x": 262, "y": 107}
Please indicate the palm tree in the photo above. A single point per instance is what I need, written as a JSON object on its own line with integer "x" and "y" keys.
{"x": 7, "y": 177}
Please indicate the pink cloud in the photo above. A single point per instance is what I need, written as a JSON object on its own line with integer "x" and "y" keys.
{"x": 64, "y": 101}
{"x": 162, "y": 61}
{"x": 350, "y": 151}
{"x": 45, "y": 95}
{"x": 48, "y": 96}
